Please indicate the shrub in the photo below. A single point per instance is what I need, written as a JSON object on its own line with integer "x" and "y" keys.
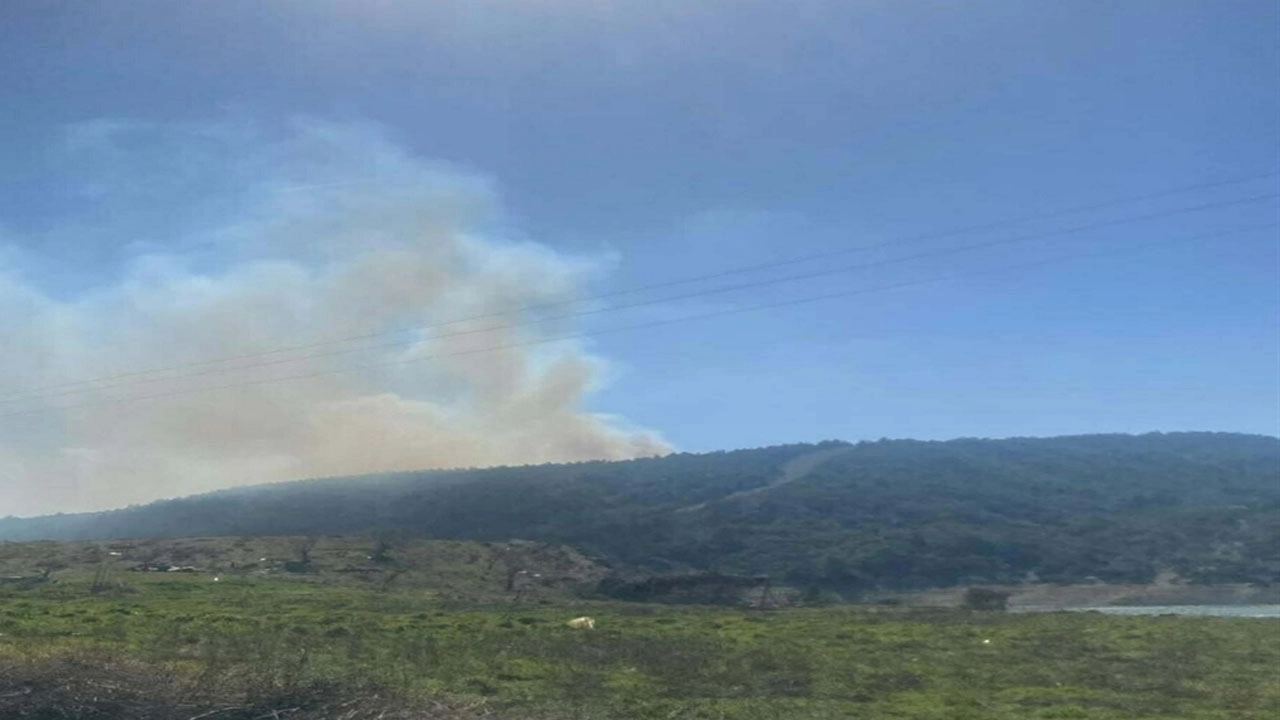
{"x": 985, "y": 599}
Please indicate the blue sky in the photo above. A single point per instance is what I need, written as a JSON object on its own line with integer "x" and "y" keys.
{"x": 672, "y": 139}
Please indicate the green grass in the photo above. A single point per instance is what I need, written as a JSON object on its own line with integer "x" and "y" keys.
{"x": 666, "y": 662}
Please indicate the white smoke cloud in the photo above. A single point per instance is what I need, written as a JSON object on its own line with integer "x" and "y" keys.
{"x": 272, "y": 240}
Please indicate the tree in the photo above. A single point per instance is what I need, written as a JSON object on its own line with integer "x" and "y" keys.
{"x": 381, "y": 552}
{"x": 304, "y": 548}
{"x": 976, "y": 598}
{"x": 48, "y": 566}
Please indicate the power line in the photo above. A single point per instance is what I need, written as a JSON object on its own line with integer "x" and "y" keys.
{"x": 656, "y": 301}
{"x": 640, "y": 326}
{"x": 13, "y": 396}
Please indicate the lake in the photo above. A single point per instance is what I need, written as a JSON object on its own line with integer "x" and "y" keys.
{"x": 1248, "y": 611}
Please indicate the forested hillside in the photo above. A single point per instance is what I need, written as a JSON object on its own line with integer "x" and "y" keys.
{"x": 892, "y": 513}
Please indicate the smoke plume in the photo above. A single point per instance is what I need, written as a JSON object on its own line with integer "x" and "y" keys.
{"x": 182, "y": 245}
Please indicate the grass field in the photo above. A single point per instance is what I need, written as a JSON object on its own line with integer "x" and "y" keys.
{"x": 274, "y": 641}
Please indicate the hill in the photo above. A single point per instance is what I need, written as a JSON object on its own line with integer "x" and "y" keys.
{"x": 830, "y": 516}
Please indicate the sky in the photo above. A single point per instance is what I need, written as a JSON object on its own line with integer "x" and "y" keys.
{"x": 414, "y": 225}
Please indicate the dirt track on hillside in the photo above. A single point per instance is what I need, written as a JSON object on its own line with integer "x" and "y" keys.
{"x": 791, "y": 471}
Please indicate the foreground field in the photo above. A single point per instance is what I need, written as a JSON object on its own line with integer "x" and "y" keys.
{"x": 244, "y": 647}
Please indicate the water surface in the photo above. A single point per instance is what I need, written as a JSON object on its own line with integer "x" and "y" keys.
{"x": 1248, "y": 611}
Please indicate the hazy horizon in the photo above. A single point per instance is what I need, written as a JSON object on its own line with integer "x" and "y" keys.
{"x": 357, "y": 476}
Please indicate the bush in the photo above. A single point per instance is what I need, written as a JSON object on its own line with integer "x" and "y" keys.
{"x": 985, "y": 599}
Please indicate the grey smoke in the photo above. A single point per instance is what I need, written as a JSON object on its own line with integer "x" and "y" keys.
{"x": 274, "y": 239}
